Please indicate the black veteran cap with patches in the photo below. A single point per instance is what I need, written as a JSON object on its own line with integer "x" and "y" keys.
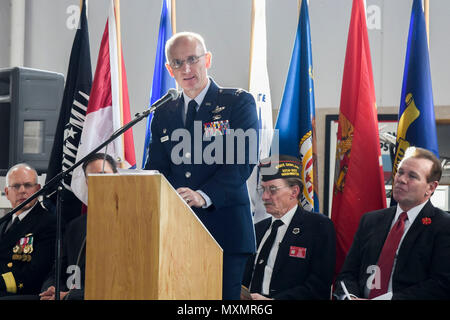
{"x": 279, "y": 167}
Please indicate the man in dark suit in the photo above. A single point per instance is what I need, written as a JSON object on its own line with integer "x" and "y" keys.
{"x": 73, "y": 258}
{"x": 402, "y": 252}
{"x": 209, "y": 166}
{"x": 27, "y": 242}
{"x": 299, "y": 262}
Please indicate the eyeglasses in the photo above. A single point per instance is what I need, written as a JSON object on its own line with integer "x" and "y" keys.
{"x": 27, "y": 186}
{"x": 177, "y": 63}
{"x": 272, "y": 189}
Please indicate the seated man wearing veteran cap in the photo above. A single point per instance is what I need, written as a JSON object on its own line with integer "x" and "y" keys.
{"x": 296, "y": 248}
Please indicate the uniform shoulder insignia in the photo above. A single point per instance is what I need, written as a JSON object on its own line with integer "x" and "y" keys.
{"x": 232, "y": 91}
{"x": 239, "y": 91}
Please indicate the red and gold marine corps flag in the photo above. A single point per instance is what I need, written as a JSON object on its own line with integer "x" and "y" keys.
{"x": 358, "y": 182}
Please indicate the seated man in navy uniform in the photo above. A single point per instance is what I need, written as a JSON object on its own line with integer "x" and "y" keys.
{"x": 74, "y": 246}
{"x": 27, "y": 241}
{"x": 296, "y": 248}
{"x": 207, "y": 172}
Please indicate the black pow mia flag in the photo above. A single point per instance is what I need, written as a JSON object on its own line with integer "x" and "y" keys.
{"x": 71, "y": 118}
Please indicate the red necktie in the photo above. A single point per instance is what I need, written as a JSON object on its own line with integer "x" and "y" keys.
{"x": 387, "y": 255}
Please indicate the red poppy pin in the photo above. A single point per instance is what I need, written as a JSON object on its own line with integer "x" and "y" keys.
{"x": 426, "y": 221}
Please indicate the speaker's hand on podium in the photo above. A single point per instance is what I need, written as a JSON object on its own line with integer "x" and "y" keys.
{"x": 192, "y": 198}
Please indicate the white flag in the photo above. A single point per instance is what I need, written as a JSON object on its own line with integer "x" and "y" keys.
{"x": 259, "y": 87}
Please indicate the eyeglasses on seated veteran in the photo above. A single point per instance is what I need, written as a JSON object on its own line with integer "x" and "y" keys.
{"x": 272, "y": 189}
{"x": 27, "y": 186}
{"x": 177, "y": 63}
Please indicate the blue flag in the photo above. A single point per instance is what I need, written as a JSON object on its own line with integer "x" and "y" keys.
{"x": 162, "y": 81}
{"x": 416, "y": 120}
{"x": 296, "y": 118}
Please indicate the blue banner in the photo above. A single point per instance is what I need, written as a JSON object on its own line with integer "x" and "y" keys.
{"x": 296, "y": 118}
{"x": 162, "y": 81}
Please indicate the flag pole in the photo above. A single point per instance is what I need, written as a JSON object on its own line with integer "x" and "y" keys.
{"x": 119, "y": 51}
{"x": 173, "y": 20}
{"x": 252, "y": 30}
{"x": 87, "y": 6}
{"x": 173, "y": 16}
{"x": 426, "y": 10}
{"x": 119, "y": 64}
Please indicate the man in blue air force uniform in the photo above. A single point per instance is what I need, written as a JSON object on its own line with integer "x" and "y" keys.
{"x": 207, "y": 168}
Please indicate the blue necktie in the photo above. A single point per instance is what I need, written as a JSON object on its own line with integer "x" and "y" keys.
{"x": 190, "y": 115}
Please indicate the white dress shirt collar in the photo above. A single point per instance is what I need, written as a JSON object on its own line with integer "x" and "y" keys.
{"x": 199, "y": 98}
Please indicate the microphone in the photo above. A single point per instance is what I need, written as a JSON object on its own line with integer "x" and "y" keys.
{"x": 172, "y": 94}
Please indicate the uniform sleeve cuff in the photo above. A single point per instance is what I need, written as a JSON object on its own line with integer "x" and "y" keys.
{"x": 207, "y": 199}
{"x": 10, "y": 282}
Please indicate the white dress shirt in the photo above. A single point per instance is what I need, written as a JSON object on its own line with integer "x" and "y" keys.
{"x": 199, "y": 99}
{"x": 274, "y": 251}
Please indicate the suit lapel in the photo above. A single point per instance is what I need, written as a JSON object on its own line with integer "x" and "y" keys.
{"x": 209, "y": 103}
{"x": 176, "y": 111}
{"x": 413, "y": 232}
{"x": 10, "y": 238}
{"x": 262, "y": 229}
{"x": 3, "y": 227}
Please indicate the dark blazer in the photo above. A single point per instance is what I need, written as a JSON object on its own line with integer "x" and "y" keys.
{"x": 72, "y": 254}
{"x": 422, "y": 270}
{"x": 26, "y": 271}
{"x": 301, "y": 278}
{"x": 229, "y": 218}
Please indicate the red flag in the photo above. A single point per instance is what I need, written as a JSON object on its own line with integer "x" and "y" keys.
{"x": 108, "y": 108}
{"x": 358, "y": 182}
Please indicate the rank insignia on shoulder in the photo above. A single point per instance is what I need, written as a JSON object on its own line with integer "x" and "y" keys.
{"x": 232, "y": 91}
{"x": 238, "y": 91}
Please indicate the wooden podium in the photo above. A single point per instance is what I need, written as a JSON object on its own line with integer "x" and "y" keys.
{"x": 144, "y": 242}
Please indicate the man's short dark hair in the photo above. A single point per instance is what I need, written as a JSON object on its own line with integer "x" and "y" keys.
{"x": 100, "y": 156}
{"x": 421, "y": 153}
